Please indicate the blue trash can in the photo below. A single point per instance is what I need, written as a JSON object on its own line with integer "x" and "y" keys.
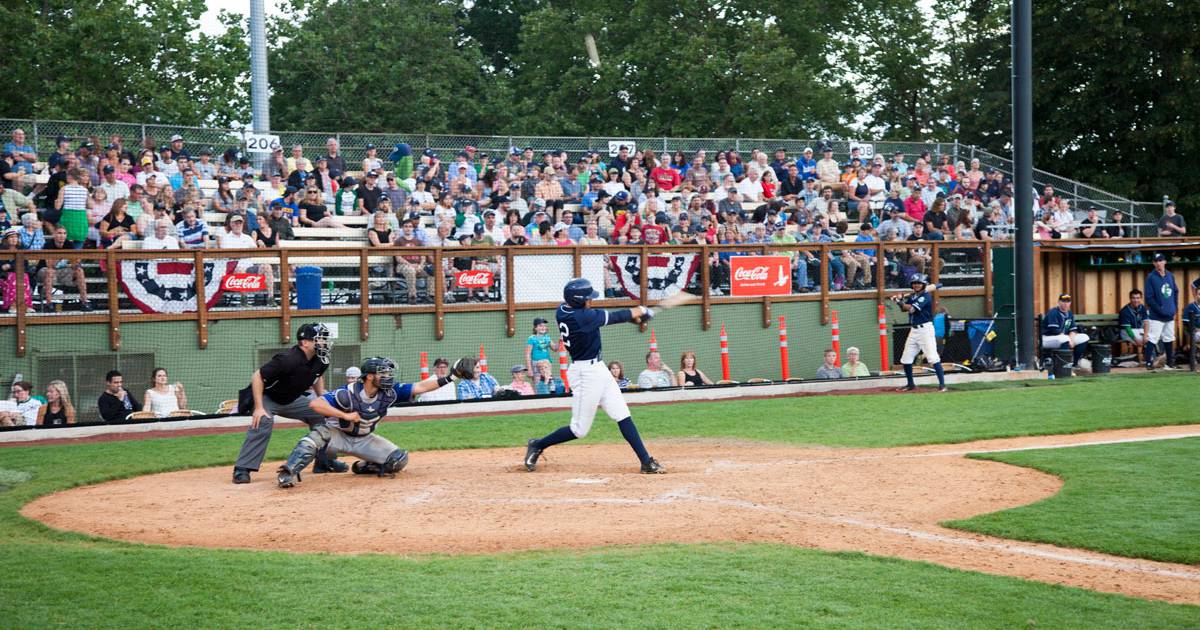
{"x": 308, "y": 287}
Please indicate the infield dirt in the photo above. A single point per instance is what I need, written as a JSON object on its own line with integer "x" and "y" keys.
{"x": 885, "y": 502}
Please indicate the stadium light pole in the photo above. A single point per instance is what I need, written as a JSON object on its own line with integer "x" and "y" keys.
{"x": 260, "y": 107}
{"x": 1022, "y": 119}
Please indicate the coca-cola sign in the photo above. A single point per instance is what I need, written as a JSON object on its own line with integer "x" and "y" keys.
{"x": 244, "y": 282}
{"x": 474, "y": 279}
{"x": 760, "y": 275}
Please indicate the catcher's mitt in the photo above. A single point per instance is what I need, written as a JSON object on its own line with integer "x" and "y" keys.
{"x": 464, "y": 368}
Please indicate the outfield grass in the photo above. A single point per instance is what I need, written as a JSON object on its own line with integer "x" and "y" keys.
{"x": 69, "y": 579}
{"x": 1140, "y": 499}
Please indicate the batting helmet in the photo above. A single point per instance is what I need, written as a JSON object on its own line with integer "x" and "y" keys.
{"x": 918, "y": 278}
{"x": 384, "y": 367}
{"x": 578, "y": 292}
{"x": 318, "y": 333}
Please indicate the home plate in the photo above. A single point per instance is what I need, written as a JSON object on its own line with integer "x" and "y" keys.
{"x": 588, "y": 481}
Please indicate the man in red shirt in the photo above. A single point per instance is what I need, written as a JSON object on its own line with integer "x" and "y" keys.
{"x": 914, "y": 207}
{"x": 667, "y": 178}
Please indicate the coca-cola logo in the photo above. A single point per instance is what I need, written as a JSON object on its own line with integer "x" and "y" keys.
{"x": 474, "y": 279}
{"x": 244, "y": 282}
{"x": 751, "y": 273}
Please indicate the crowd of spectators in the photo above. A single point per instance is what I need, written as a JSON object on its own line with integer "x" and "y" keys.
{"x": 153, "y": 194}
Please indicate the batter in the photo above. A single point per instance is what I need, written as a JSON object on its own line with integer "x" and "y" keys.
{"x": 592, "y": 383}
{"x": 919, "y": 306}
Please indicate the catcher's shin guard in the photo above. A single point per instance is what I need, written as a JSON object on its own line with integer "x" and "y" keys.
{"x": 301, "y": 457}
{"x": 394, "y": 463}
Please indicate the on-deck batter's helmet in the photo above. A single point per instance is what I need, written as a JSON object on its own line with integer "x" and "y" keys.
{"x": 578, "y": 292}
{"x": 384, "y": 367}
{"x": 318, "y": 333}
{"x": 918, "y": 278}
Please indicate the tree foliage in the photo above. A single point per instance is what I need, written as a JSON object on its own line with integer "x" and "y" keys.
{"x": 121, "y": 61}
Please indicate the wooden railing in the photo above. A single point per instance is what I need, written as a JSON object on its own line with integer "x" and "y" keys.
{"x": 362, "y": 259}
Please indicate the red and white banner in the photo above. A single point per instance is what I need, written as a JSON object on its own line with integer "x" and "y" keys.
{"x": 667, "y": 275}
{"x": 169, "y": 286}
{"x": 244, "y": 282}
{"x": 760, "y": 275}
{"x": 474, "y": 279}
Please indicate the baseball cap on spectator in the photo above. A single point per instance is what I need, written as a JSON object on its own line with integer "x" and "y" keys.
{"x": 108, "y": 168}
{"x": 464, "y": 236}
{"x": 517, "y": 369}
{"x": 602, "y": 195}
{"x": 206, "y": 151}
{"x": 176, "y": 137}
{"x": 237, "y": 218}
{"x": 61, "y": 139}
{"x": 463, "y": 154}
{"x": 161, "y": 149}
{"x": 500, "y": 199}
{"x": 478, "y": 229}
{"x": 276, "y": 204}
{"x": 290, "y": 190}
{"x": 348, "y": 182}
{"x": 369, "y": 146}
{"x": 468, "y": 149}
{"x": 371, "y": 174}
{"x": 661, "y": 218}
{"x": 86, "y": 145}
{"x": 245, "y": 160}
{"x": 514, "y": 151}
{"x": 538, "y": 201}
{"x": 1160, "y": 256}
{"x": 1064, "y": 297}
{"x": 557, "y": 226}
{"x": 1169, "y": 204}
{"x": 1196, "y": 284}
{"x": 353, "y": 372}
{"x": 489, "y": 212}
{"x": 621, "y": 195}
{"x": 248, "y": 176}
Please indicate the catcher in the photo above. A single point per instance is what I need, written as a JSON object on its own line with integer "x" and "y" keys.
{"x": 351, "y": 414}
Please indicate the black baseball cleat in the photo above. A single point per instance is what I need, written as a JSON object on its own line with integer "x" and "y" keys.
{"x": 365, "y": 468}
{"x": 241, "y": 475}
{"x": 330, "y": 466}
{"x": 532, "y": 453}
{"x": 652, "y": 467}
{"x": 907, "y": 388}
{"x": 285, "y": 477}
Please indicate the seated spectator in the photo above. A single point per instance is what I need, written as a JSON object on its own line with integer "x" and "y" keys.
{"x": 161, "y": 237}
{"x": 281, "y": 223}
{"x": 116, "y": 227}
{"x": 689, "y": 374}
{"x": 9, "y": 244}
{"x": 618, "y": 372}
{"x": 235, "y": 236}
{"x": 353, "y": 373}
{"x": 1059, "y": 329}
{"x": 1171, "y": 224}
{"x": 519, "y": 384}
{"x": 853, "y": 367}
{"x": 163, "y": 397}
{"x": 314, "y": 212}
{"x": 51, "y": 271}
{"x": 1090, "y": 226}
{"x": 23, "y": 155}
{"x": 829, "y": 368}
{"x": 116, "y": 403}
{"x": 58, "y": 409}
{"x": 1042, "y": 229}
{"x": 545, "y": 382}
{"x": 1134, "y": 320}
{"x": 1119, "y": 227}
{"x": 828, "y": 171}
{"x": 482, "y": 386}
{"x": 192, "y": 232}
{"x": 1062, "y": 223}
{"x": 26, "y": 412}
{"x": 441, "y": 369}
{"x": 655, "y": 374}
{"x": 860, "y": 260}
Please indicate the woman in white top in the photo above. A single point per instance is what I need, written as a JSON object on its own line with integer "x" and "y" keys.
{"x": 163, "y": 397}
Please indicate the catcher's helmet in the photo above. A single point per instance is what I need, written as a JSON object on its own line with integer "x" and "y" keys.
{"x": 578, "y": 292}
{"x": 918, "y": 278}
{"x": 319, "y": 334}
{"x": 384, "y": 367}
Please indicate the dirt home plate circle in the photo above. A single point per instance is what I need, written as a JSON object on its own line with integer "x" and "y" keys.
{"x": 588, "y": 495}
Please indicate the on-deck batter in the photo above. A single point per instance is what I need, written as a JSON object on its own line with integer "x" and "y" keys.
{"x": 592, "y": 384}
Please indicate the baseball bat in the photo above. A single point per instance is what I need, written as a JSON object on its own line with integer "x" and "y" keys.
{"x": 677, "y": 299}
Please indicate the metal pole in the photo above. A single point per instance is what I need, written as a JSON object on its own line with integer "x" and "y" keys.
{"x": 1022, "y": 95}
{"x": 260, "y": 106}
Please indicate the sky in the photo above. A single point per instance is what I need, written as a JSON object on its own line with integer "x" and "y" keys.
{"x": 209, "y": 23}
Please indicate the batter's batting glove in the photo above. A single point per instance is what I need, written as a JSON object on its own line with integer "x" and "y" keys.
{"x": 647, "y": 316}
{"x": 464, "y": 369}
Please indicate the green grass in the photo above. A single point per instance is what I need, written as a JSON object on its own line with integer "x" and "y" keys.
{"x": 1140, "y": 499}
{"x": 72, "y": 580}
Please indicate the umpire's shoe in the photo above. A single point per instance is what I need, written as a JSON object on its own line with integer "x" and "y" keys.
{"x": 241, "y": 475}
{"x": 652, "y": 467}
{"x": 286, "y": 478}
{"x": 532, "y": 453}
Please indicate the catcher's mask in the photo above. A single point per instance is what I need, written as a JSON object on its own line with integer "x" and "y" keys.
{"x": 319, "y": 334}
{"x": 384, "y": 367}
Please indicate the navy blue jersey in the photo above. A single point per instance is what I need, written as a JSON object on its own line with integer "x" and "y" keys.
{"x": 922, "y": 308}
{"x": 580, "y": 328}
{"x": 351, "y": 399}
{"x": 1191, "y": 314}
{"x": 1160, "y": 296}
{"x": 1057, "y": 322}
{"x": 1133, "y": 317}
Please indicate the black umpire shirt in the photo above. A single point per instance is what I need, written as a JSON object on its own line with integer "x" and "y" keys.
{"x": 289, "y": 374}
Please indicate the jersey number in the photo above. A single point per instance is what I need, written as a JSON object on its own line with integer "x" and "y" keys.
{"x": 566, "y": 333}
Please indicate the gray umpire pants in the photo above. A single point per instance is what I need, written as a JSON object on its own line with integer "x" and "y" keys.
{"x": 254, "y": 449}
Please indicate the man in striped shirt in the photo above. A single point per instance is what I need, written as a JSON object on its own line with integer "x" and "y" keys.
{"x": 193, "y": 233}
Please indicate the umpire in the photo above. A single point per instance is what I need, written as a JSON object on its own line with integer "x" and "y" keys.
{"x": 282, "y": 387}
